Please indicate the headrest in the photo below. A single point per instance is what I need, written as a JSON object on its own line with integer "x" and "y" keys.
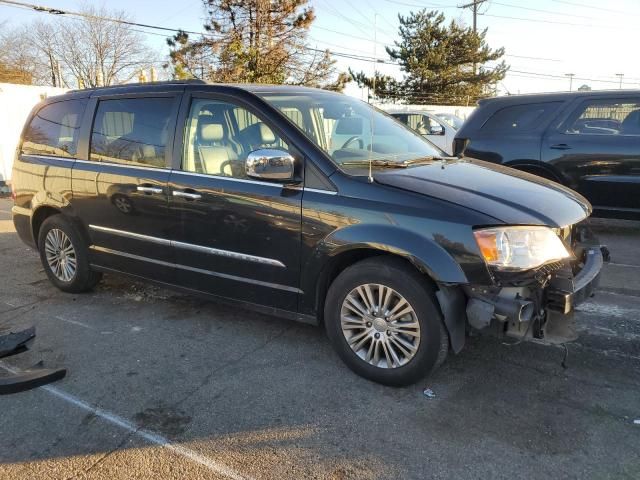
{"x": 259, "y": 134}
{"x": 211, "y": 132}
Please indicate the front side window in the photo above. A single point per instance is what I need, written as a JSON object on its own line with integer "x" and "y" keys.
{"x": 520, "y": 118}
{"x": 352, "y": 132}
{"x": 607, "y": 117}
{"x": 219, "y": 136}
{"x": 54, "y": 129}
{"x": 132, "y": 131}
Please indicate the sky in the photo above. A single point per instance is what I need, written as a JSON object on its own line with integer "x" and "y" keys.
{"x": 544, "y": 39}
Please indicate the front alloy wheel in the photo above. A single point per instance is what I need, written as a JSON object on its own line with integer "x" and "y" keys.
{"x": 380, "y": 325}
{"x": 382, "y": 318}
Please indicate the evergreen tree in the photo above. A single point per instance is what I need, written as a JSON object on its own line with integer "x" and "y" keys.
{"x": 442, "y": 64}
{"x": 257, "y": 41}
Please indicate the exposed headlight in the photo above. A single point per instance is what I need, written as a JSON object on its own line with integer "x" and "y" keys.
{"x": 520, "y": 248}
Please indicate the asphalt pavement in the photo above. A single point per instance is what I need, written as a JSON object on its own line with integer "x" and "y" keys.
{"x": 165, "y": 385}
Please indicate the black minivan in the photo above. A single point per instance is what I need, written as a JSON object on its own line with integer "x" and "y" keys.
{"x": 588, "y": 141}
{"x": 249, "y": 194}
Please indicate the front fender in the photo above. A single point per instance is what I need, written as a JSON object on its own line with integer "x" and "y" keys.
{"x": 423, "y": 252}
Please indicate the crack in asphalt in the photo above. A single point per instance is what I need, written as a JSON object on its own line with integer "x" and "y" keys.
{"x": 231, "y": 363}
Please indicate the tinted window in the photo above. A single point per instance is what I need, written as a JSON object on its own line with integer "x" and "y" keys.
{"x": 220, "y": 135}
{"x": 53, "y": 130}
{"x": 133, "y": 130}
{"x": 520, "y": 118}
{"x": 607, "y": 117}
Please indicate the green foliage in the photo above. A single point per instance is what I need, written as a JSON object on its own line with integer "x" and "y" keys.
{"x": 442, "y": 63}
{"x": 256, "y": 41}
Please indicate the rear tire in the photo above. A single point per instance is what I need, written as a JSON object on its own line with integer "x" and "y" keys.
{"x": 382, "y": 318}
{"x": 64, "y": 256}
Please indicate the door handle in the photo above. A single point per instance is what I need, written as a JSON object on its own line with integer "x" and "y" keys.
{"x": 187, "y": 195}
{"x": 148, "y": 190}
{"x": 560, "y": 146}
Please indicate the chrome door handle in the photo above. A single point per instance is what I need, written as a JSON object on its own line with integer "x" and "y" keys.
{"x": 560, "y": 146}
{"x": 187, "y": 195}
{"x": 149, "y": 189}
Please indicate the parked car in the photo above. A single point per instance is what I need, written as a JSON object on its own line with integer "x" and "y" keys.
{"x": 427, "y": 124}
{"x": 239, "y": 193}
{"x": 588, "y": 141}
{"x": 453, "y": 120}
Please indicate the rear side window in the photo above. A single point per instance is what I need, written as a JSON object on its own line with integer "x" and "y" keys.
{"x": 54, "y": 129}
{"x": 520, "y": 118}
{"x": 132, "y": 131}
{"x": 607, "y": 117}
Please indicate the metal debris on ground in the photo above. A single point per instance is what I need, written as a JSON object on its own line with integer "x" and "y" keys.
{"x": 429, "y": 393}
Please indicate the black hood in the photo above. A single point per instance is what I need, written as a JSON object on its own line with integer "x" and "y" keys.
{"x": 511, "y": 196}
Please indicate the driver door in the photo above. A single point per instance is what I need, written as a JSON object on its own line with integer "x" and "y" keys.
{"x": 238, "y": 237}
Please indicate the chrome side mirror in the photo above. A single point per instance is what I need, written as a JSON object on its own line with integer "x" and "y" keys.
{"x": 270, "y": 164}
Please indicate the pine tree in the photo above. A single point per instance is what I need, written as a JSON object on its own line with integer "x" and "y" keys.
{"x": 441, "y": 64}
{"x": 257, "y": 41}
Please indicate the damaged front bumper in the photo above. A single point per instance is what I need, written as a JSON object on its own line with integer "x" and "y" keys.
{"x": 538, "y": 305}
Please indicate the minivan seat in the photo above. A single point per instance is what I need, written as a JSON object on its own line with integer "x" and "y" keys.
{"x": 213, "y": 150}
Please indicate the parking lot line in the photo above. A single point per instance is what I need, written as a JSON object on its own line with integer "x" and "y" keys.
{"x": 74, "y": 322}
{"x": 133, "y": 429}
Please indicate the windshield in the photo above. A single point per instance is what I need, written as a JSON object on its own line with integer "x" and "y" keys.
{"x": 350, "y": 131}
{"x": 451, "y": 119}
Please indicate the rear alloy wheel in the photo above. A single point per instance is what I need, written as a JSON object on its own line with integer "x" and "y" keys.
{"x": 60, "y": 254}
{"x": 64, "y": 256}
{"x": 382, "y": 318}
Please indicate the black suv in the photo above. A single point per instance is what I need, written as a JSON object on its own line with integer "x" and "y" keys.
{"x": 589, "y": 141}
{"x": 247, "y": 193}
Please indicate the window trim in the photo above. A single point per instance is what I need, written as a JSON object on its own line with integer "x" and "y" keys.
{"x": 92, "y": 107}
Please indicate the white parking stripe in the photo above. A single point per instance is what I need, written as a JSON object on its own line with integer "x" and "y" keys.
{"x": 626, "y": 265}
{"x": 130, "y": 427}
{"x": 74, "y": 322}
{"x": 608, "y": 310}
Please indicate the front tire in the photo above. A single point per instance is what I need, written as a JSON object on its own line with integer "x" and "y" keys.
{"x": 382, "y": 319}
{"x": 64, "y": 256}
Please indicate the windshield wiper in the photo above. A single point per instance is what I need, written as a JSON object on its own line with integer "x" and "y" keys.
{"x": 423, "y": 160}
{"x": 374, "y": 163}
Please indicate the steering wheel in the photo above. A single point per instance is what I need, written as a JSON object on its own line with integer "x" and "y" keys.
{"x": 353, "y": 139}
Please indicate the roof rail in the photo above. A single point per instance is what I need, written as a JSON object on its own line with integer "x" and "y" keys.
{"x": 196, "y": 81}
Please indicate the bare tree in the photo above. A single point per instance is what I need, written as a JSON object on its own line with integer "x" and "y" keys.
{"x": 18, "y": 62}
{"x": 96, "y": 52}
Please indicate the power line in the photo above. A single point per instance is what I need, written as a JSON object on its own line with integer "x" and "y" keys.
{"x": 602, "y": 9}
{"x": 510, "y": 5}
{"x": 553, "y": 22}
{"x": 57, "y": 11}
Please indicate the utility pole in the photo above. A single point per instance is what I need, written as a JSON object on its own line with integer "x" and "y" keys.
{"x": 620, "y": 75}
{"x": 570, "y": 75}
{"x": 474, "y": 8}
